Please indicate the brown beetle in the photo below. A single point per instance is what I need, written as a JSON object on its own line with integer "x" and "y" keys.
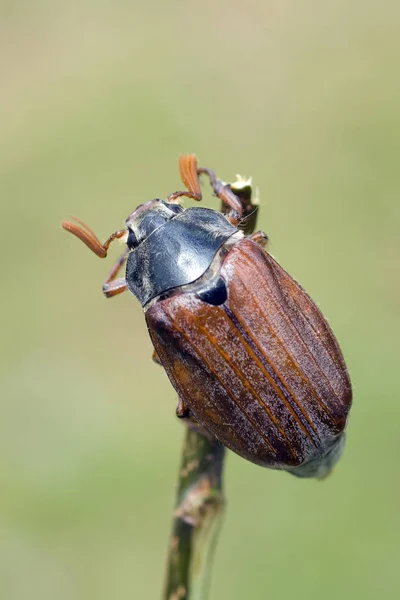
{"x": 250, "y": 355}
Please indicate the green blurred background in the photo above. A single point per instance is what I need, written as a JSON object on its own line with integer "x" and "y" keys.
{"x": 97, "y": 100}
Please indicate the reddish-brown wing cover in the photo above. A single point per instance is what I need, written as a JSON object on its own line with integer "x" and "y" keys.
{"x": 262, "y": 372}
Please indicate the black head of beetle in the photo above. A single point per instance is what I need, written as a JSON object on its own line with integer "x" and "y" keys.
{"x": 148, "y": 217}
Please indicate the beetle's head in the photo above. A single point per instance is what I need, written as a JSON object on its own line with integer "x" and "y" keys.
{"x": 148, "y": 217}
{"x": 140, "y": 224}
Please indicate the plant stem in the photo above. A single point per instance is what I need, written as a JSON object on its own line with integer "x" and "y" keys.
{"x": 197, "y": 518}
{"x": 200, "y": 502}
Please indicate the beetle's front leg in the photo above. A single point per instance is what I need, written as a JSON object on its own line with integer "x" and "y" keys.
{"x": 223, "y": 191}
{"x": 113, "y": 285}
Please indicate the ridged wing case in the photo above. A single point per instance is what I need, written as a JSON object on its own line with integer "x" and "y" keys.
{"x": 263, "y": 371}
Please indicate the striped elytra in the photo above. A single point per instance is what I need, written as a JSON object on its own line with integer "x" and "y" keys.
{"x": 262, "y": 371}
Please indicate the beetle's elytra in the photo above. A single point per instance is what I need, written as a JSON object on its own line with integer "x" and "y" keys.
{"x": 249, "y": 353}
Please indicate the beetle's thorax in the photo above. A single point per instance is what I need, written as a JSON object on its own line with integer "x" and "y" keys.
{"x": 210, "y": 281}
{"x": 171, "y": 250}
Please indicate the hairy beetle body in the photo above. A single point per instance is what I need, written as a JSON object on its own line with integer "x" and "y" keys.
{"x": 252, "y": 358}
{"x": 262, "y": 371}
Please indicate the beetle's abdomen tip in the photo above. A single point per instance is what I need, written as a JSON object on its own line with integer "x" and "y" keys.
{"x": 322, "y": 466}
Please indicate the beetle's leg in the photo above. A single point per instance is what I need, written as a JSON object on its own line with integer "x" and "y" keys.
{"x": 190, "y": 176}
{"x": 113, "y": 285}
{"x": 260, "y": 238}
{"x": 156, "y": 358}
{"x": 223, "y": 191}
{"x": 182, "y": 410}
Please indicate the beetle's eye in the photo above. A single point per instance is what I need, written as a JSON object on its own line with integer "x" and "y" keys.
{"x": 131, "y": 241}
{"x": 176, "y": 208}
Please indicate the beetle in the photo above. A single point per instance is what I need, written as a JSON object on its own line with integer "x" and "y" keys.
{"x": 254, "y": 362}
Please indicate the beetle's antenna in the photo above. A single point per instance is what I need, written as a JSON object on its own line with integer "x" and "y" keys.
{"x": 88, "y": 237}
{"x": 189, "y": 176}
{"x": 190, "y": 172}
